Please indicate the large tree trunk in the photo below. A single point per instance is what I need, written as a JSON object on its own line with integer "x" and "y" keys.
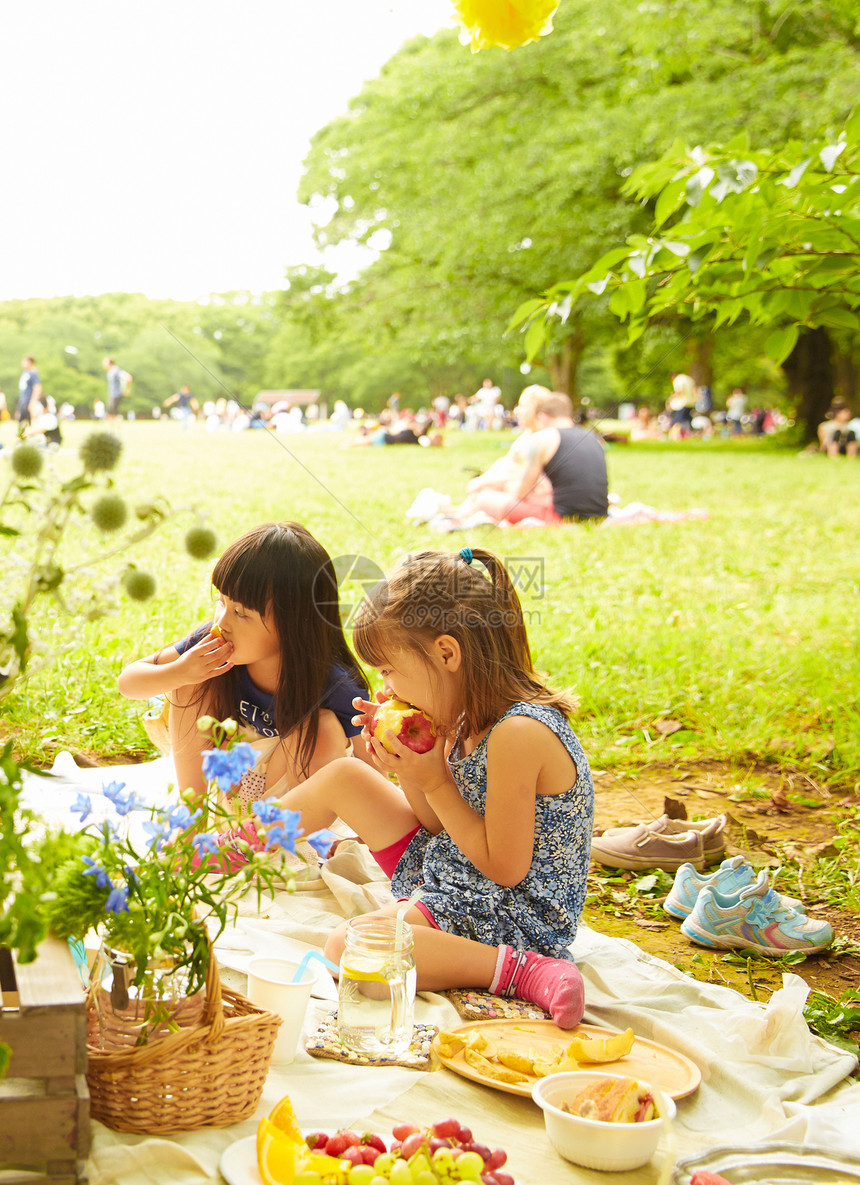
{"x": 563, "y": 365}
{"x": 700, "y": 360}
{"x": 846, "y": 377}
{"x": 809, "y": 370}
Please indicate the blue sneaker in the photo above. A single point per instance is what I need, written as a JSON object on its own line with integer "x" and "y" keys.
{"x": 733, "y": 875}
{"x": 756, "y": 919}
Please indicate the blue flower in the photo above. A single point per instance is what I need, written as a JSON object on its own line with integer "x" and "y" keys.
{"x": 113, "y": 791}
{"x": 322, "y": 840}
{"x": 126, "y": 804}
{"x": 158, "y": 833}
{"x": 268, "y": 811}
{"x": 102, "y": 879}
{"x": 117, "y": 901}
{"x": 181, "y": 817}
{"x": 279, "y": 837}
{"x": 83, "y": 806}
{"x": 283, "y": 829}
{"x": 226, "y": 767}
{"x": 204, "y": 842}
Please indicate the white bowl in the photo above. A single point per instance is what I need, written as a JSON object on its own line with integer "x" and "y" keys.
{"x": 594, "y": 1143}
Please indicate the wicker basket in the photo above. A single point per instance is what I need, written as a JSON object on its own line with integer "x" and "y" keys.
{"x": 208, "y": 1075}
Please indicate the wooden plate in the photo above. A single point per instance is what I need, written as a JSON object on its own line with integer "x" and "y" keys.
{"x": 653, "y": 1063}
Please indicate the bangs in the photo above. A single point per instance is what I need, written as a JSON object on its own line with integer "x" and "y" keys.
{"x": 240, "y": 576}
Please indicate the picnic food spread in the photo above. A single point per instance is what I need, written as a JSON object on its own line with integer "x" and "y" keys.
{"x": 512, "y": 1065}
{"x": 445, "y": 1152}
{"x": 613, "y": 1100}
{"x": 512, "y": 1054}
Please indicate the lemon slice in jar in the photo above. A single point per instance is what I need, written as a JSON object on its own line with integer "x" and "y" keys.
{"x": 365, "y": 971}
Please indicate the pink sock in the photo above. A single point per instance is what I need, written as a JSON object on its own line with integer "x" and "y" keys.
{"x": 553, "y": 984}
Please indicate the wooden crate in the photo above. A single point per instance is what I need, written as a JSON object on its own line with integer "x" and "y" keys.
{"x": 44, "y": 1102}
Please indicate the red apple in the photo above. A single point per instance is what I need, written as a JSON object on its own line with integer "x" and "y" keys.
{"x": 409, "y": 725}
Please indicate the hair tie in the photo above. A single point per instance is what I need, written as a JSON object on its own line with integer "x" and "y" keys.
{"x": 466, "y": 554}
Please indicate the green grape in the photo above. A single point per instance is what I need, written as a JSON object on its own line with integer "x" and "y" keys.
{"x": 470, "y": 1166}
{"x": 419, "y": 1164}
{"x": 443, "y": 1160}
{"x": 377, "y": 1180}
{"x": 361, "y": 1174}
{"x": 383, "y": 1163}
{"x": 400, "y": 1173}
{"x": 426, "y": 1177}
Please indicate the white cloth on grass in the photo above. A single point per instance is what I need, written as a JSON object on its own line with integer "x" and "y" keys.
{"x": 764, "y": 1076}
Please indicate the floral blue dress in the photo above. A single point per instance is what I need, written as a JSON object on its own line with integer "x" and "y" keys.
{"x": 541, "y": 912}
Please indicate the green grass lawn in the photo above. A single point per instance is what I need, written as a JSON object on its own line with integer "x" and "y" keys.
{"x": 742, "y": 628}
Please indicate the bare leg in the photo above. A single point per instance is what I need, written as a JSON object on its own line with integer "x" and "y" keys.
{"x": 366, "y": 800}
{"x": 442, "y": 960}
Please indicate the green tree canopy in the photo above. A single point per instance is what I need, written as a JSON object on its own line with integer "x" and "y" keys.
{"x": 483, "y": 178}
{"x": 218, "y": 347}
{"x": 772, "y": 236}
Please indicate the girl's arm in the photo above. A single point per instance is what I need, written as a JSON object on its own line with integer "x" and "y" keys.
{"x": 187, "y": 742}
{"x": 168, "y": 670}
{"x": 522, "y": 761}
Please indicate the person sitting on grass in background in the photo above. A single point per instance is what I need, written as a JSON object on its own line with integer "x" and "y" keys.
{"x": 493, "y": 824}
{"x": 571, "y": 458}
{"x": 274, "y": 658}
{"x": 645, "y": 426}
{"x": 505, "y": 473}
{"x": 842, "y": 439}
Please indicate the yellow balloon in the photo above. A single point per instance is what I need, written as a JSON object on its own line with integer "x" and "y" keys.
{"x": 505, "y": 23}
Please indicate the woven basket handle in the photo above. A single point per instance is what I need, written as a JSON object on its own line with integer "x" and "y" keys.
{"x": 214, "y": 1012}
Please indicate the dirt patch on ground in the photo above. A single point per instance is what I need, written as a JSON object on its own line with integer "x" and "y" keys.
{"x": 776, "y": 819}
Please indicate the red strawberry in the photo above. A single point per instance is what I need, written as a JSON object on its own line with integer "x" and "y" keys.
{"x": 373, "y": 1141}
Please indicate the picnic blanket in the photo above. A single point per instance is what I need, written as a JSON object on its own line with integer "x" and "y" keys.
{"x": 764, "y": 1076}
{"x": 434, "y": 509}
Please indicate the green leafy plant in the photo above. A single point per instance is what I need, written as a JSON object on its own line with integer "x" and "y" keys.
{"x": 38, "y": 509}
{"x": 837, "y": 1021}
{"x": 29, "y": 857}
{"x": 625, "y": 894}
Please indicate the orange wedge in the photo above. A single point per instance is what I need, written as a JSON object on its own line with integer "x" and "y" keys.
{"x": 284, "y": 1118}
{"x": 278, "y": 1156}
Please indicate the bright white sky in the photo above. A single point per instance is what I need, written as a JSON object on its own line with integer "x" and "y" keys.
{"x": 156, "y": 146}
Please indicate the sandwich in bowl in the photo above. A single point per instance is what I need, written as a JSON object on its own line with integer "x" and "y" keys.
{"x": 613, "y": 1100}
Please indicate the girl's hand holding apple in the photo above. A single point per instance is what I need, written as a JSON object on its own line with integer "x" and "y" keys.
{"x": 366, "y": 713}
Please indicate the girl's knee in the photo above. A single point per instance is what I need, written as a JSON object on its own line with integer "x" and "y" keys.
{"x": 335, "y": 943}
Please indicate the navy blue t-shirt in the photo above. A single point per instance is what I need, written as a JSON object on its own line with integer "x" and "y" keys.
{"x": 256, "y": 708}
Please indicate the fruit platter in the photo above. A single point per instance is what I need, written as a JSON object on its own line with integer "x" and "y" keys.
{"x": 512, "y": 1055}
{"x": 446, "y": 1153}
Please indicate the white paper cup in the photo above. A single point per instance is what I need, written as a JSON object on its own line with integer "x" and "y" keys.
{"x": 270, "y": 985}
